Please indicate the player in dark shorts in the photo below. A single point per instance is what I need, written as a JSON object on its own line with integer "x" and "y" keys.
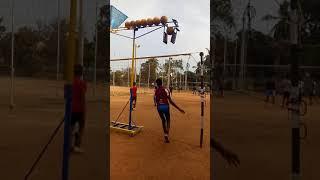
{"x": 270, "y": 90}
{"x": 226, "y": 154}
{"x": 79, "y": 89}
{"x": 162, "y": 100}
{"x": 134, "y": 90}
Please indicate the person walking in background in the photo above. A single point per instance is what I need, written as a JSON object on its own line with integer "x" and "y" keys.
{"x": 286, "y": 87}
{"x": 308, "y": 88}
{"x": 78, "y": 115}
{"x": 270, "y": 90}
{"x": 134, "y": 90}
{"x": 170, "y": 89}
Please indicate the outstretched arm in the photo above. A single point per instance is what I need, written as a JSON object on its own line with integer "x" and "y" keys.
{"x": 226, "y": 154}
{"x": 174, "y": 104}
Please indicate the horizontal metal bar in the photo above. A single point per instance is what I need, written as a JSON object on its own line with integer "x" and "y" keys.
{"x": 149, "y": 57}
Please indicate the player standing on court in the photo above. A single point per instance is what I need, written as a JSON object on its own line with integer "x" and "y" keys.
{"x": 163, "y": 99}
{"x": 134, "y": 90}
{"x": 286, "y": 84}
{"x": 78, "y": 115}
{"x": 270, "y": 90}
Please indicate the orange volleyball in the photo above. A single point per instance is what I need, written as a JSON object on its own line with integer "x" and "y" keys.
{"x": 170, "y": 30}
{"x": 149, "y": 21}
{"x": 144, "y": 22}
{"x": 132, "y": 24}
{"x": 127, "y": 25}
{"x": 138, "y": 23}
{"x": 164, "y": 19}
{"x": 156, "y": 21}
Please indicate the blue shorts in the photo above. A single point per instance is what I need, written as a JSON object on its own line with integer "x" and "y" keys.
{"x": 163, "y": 108}
{"x": 270, "y": 93}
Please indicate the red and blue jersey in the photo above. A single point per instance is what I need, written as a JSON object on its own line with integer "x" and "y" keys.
{"x": 79, "y": 89}
{"x": 162, "y": 96}
{"x": 134, "y": 90}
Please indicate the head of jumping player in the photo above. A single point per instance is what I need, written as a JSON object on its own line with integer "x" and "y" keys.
{"x": 134, "y": 83}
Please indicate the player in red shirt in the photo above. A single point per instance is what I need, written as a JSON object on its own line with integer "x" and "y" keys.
{"x": 79, "y": 89}
{"x": 162, "y": 97}
{"x": 134, "y": 90}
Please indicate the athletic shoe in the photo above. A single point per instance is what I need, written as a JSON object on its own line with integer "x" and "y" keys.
{"x": 78, "y": 150}
{"x": 166, "y": 138}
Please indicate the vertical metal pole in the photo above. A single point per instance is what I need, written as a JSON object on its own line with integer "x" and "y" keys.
{"x": 149, "y": 75}
{"x": 140, "y": 77}
{"x": 242, "y": 54}
{"x": 81, "y": 32}
{"x": 12, "y": 56}
{"x": 132, "y": 77}
{"x": 113, "y": 77}
{"x": 68, "y": 88}
{"x": 130, "y": 114}
{"x": 169, "y": 69}
{"x": 135, "y": 64}
{"x": 180, "y": 83}
{"x": 128, "y": 74}
{"x": 95, "y": 54}
{"x": 58, "y": 46}
{"x": 186, "y": 75}
{"x": 224, "y": 55}
{"x": 235, "y": 64}
{"x": 202, "y": 101}
{"x": 133, "y": 58}
{"x": 295, "y": 97}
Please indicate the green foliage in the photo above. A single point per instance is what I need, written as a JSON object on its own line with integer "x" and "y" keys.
{"x": 145, "y": 70}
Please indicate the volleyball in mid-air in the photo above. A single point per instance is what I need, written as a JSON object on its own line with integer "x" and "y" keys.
{"x": 170, "y": 30}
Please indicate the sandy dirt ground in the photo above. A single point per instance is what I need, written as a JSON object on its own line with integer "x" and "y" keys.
{"x": 146, "y": 156}
{"x": 27, "y": 129}
{"x": 261, "y": 136}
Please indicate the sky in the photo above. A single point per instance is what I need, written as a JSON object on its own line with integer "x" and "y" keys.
{"x": 194, "y": 21}
{"x": 192, "y": 15}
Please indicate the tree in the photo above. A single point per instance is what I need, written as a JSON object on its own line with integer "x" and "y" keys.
{"x": 145, "y": 70}
{"x": 221, "y": 13}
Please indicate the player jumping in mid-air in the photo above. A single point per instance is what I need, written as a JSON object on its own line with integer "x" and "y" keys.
{"x": 134, "y": 90}
{"x": 79, "y": 89}
{"x": 163, "y": 98}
